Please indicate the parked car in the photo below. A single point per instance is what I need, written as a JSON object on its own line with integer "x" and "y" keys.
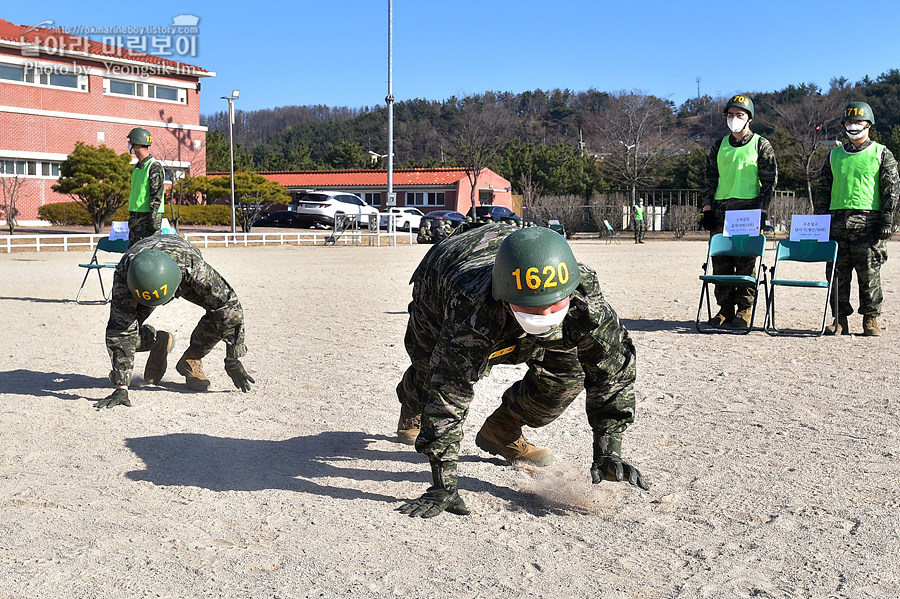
{"x": 319, "y": 207}
{"x": 437, "y": 218}
{"x": 280, "y": 218}
{"x": 496, "y": 213}
{"x": 407, "y": 219}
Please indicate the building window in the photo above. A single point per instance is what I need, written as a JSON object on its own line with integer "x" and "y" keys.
{"x": 164, "y": 93}
{"x": 372, "y": 199}
{"x": 29, "y": 168}
{"x": 427, "y": 198}
{"x": 44, "y": 75}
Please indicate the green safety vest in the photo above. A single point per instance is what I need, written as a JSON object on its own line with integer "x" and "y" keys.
{"x": 856, "y": 184}
{"x": 738, "y": 170}
{"x": 638, "y": 213}
{"x": 139, "y": 198}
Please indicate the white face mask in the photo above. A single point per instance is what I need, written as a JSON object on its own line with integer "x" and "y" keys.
{"x": 855, "y": 131}
{"x": 540, "y": 324}
{"x": 736, "y": 125}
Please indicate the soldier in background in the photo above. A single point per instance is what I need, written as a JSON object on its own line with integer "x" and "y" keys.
{"x": 639, "y": 224}
{"x": 146, "y": 199}
{"x": 858, "y": 188}
{"x": 498, "y": 294}
{"x": 151, "y": 273}
{"x": 741, "y": 174}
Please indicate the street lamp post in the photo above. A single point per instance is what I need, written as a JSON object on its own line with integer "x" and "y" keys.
{"x": 230, "y": 99}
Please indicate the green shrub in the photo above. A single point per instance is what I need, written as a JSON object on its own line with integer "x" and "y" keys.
{"x": 215, "y": 214}
{"x": 73, "y": 213}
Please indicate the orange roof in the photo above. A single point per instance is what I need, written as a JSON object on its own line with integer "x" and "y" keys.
{"x": 57, "y": 41}
{"x": 364, "y": 178}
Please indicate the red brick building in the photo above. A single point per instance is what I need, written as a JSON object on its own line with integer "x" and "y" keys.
{"x": 425, "y": 188}
{"x": 57, "y": 89}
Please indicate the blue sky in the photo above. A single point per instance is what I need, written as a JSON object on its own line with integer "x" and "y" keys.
{"x": 335, "y": 52}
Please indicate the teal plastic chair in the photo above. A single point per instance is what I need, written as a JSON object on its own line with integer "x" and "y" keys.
{"x": 737, "y": 246}
{"x": 611, "y": 234}
{"x": 807, "y": 250}
{"x": 119, "y": 246}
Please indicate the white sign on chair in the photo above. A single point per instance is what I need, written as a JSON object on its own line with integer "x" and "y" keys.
{"x": 118, "y": 230}
{"x": 811, "y": 226}
{"x": 742, "y": 222}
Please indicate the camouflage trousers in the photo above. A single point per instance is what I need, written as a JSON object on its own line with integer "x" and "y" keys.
{"x": 640, "y": 227}
{"x": 143, "y": 224}
{"x": 859, "y": 250}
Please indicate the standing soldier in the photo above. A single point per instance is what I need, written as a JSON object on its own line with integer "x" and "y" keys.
{"x": 151, "y": 273}
{"x": 145, "y": 202}
{"x": 640, "y": 225}
{"x": 741, "y": 174}
{"x": 858, "y": 188}
{"x": 498, "y": 294}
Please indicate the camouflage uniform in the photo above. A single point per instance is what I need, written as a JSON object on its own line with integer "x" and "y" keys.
{"x": 457, "y": 332}
{"x": 145, "y": 224}
{"x": 126, "y": 332}
{"x": 768, "y": 177}
{"x": 857, "y": 234}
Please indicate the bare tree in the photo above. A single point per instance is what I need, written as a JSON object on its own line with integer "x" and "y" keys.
{"x": 567, "y": 209}
{"x": 608, "y": 206}
{"x": 808, "y": 127}
{"x": 9, "y": 195}
{"x": 634, "y": 133}
{"x": 476, "y": 138}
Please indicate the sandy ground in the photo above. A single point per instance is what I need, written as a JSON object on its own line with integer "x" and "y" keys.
{"x": 773, "y": 460}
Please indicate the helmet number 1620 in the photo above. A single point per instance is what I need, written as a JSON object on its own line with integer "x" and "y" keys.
{"x": 551, "y": 276}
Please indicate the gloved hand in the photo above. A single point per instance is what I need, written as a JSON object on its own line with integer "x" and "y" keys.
{"x": 612, "y": 467}
{"x": 433, "y": 502}
{"x": 708, "y": 221}
{"x": 116, "y": 398}
{"x": 238, "y": 375}
{"x": 886, "y": 228}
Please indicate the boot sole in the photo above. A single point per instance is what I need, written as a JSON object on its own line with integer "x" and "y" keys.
{"x": 149, "y": 375}
{"x": 492, "y": 448}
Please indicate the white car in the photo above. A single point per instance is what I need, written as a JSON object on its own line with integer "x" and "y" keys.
{"x": 406, "y": 218}
{"x": 319, "y": 207}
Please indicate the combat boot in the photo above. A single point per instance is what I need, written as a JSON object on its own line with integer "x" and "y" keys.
{"x": 501, "y": 434}
{"x": 157, "y": 361}
{"x": 741, "y": 320}
{"x": 724, "y": 316}
{"x": 191, "y": 367}
{"x": 408, "y": 426}
{"x": 838, "y": 327}
{"x": 870, "y": 326}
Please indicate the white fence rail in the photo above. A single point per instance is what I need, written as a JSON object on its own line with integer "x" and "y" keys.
{"x": 87, "y": 241}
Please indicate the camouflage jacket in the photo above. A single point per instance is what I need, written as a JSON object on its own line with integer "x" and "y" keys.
{"x": 478, "y": 332}
{"x": 766, "y": 163}
{"x": 200, "y": 284}
{"x": 888, "y": 181}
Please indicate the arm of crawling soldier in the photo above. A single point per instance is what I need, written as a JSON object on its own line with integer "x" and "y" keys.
{"x": 609, "y": 366}
{"x": 447, "y": 396}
